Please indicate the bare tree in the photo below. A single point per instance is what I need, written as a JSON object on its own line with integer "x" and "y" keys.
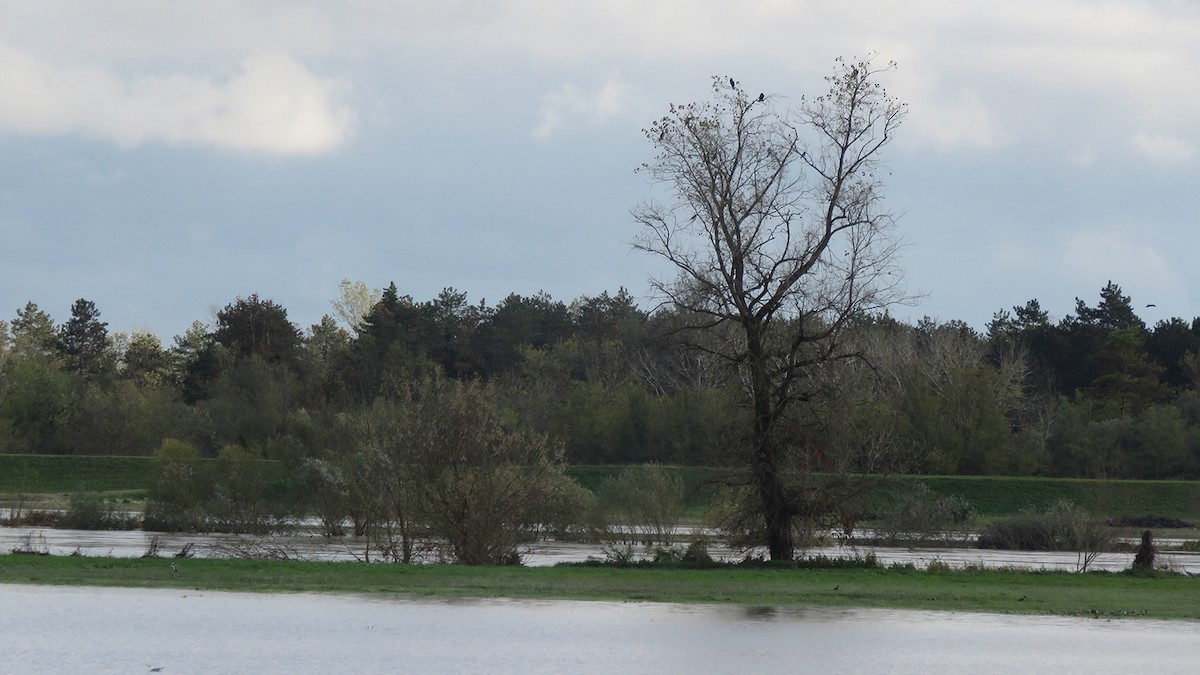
{"x": 779, "y": 239}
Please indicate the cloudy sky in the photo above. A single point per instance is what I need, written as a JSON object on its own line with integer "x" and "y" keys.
{"x": 163, "y": 158}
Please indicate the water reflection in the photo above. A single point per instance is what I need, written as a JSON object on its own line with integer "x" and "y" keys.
{"x": 54, "y": 630}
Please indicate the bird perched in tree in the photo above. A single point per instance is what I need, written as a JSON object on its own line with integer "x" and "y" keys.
{"x": 732, "y": 84}
{"x": 762, "y": 97}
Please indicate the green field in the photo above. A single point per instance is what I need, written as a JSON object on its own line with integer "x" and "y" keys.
{"x": 989, "y": 496}
{"x": 1003, "y": 496}
{"x": 70, "y": 473}
{"x": 1088, "y": 595}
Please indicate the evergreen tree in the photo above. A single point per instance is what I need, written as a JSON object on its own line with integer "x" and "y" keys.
{"x": 255, "y": 327}
{"x": 83, "y": 342}
{"x": 33, "y": 330}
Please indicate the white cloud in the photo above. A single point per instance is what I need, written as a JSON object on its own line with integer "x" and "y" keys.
{"x": 1084, "y": 155}
{"x": 958, "y": 119}
{"x": 1094, "y": 257}
{"x": 569, "y": 106}
{"x": 272, "y": 104}
{"x": 1162, "y": 149}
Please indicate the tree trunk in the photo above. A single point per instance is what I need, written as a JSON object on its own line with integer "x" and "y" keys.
{"x": 778, "y": 519}
{"x": 776, "y": 512}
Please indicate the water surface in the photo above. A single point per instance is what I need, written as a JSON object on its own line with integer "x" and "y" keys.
{"x": 92, "y": 630}
{"x": 309, "y": 546}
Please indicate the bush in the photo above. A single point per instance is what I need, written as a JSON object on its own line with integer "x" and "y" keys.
{"x": 923, "y": 515}
{"x": 1062, "y": 527}
{"x": 481, "y": 481}
{"x": 567, "y": 510}
{"x": 239, "y": 501}
{"x": 644, "y": 504}
{"x": 90, "y": 512}
{"x": 178, "y": 489}
{"x": 1049, "y": 530}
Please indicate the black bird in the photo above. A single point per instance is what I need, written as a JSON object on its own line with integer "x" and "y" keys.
{"x": 1152, "y": 305}
{"x": 837, "y": 587}
{"x": 732, "y": 84}
{"x": 762, "y": 97}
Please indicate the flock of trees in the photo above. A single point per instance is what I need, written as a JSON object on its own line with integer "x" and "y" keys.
{"x": 1095, "y": 394}
{"x": 773, "y": 352}
{"x": 586, "y": 373}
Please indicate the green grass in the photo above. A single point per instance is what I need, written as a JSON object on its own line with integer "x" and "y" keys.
{"x": 70, "y": 473}
{"x": 1089, "y": 595}
{"x": 1005, "y": 496}
{"x": 990, "y": 496}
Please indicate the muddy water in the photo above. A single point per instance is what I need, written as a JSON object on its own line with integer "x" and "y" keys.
{"x": 73, "y": 630}
{"x": 135, "y": 543}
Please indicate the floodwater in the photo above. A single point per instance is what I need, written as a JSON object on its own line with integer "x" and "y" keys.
{"x": 114, "y": 630}
{"x": 133, "y": 543}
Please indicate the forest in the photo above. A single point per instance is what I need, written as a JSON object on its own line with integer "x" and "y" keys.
{"x": 1095, "y": 394}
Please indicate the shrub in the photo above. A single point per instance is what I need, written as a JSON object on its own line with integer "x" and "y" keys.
{"x": 567, "y": 511}
{"x": 178, "y": 489}
{"x": 481, "y": 481}
{"x": 90, "y": 512}
{"x": 644, "y": 504}
{"x": 924, "y": 515}
{"x": 325, "y": 494}
{"x": 239, "y": 500}
{"x": 1062, "y": 527}
{"x": 697, "y": 553}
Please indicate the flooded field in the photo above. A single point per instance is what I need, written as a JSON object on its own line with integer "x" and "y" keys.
{"x": 133, "y": 543}
{"x": 93, "y": 630}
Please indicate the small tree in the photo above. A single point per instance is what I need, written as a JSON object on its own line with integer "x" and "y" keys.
{"x": 779, "y": 239}
{"x": 646, "y": 503}
{"x": 240, "y": 500}
{"x": 483, "y": 481}
{"x": 382, "y": 495}
{"x": 179, "y": 488}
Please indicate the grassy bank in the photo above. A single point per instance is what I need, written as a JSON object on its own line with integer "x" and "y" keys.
{"x": 69, "y": 473}
{"x": 1089, "y": 595}
{"x": 989, "y": 496}
{"x": 1004, "y": 496}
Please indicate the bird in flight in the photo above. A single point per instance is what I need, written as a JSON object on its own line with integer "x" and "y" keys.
{"x": 1152, "y": 305}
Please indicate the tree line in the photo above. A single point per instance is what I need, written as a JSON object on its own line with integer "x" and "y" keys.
{"x": 773, "y": 353}
{"x": 1095, "y": 394}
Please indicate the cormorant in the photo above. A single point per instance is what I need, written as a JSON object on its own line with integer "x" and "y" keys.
{"x": 732, "y": 84}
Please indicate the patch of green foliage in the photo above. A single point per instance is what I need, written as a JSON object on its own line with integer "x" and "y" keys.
{"x": 700, "y": 484}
